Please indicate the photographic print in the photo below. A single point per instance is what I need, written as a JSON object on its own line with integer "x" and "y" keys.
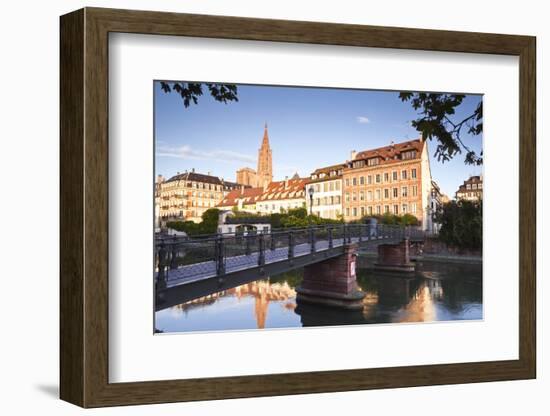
{"x": 290, "y": 206}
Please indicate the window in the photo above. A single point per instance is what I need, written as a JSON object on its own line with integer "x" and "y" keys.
{"x": 378, "y": 209}
{"x": 347, "y": 196}
{"x": 362, "y": 211}
{"x": 468, "y": 186}
{"x": 413, "y": 207}
{"x": 410, "y": 154}
{"x": 362, "y": 196}
{"x": 386, "y": 193}
{"x": 479, "y": 186}
{"x": 369, "y": 195}
{"x": 377, "y": 178}
{"x": 354, "y": 181}
{"x": 347, "y": 212}
{"x": 474, "y": 186}
{"x": 362, "y": 180}
{"x": 338, "y": 199}
{"x": 404, "y": 191}
{"x": 396, "y": 209}
{"x": 332, "y": 200}
{"x": 386, "y": 177}
{"x": 414, "y": 190}
{"x": 373, "y": 162}
{"x": 354, "y": 196}
{"x": 413, "y": 173}
{"x": 355, "y": 212}
{"x": 404, "y": 209}
{"x": 369, "y": 180}
{"x": 386, "y": 209}
{"x": 395, "y": 192}
{"x": 403, "y": 174}
{"x": 394, "y": 175}
{"x": 325, "y": 187}
{"x": 377, "y": 194}
{"x": 347, "y": 182}
{"x": 369, "y": 210}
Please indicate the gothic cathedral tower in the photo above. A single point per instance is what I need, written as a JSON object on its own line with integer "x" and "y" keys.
{"x": 265, "y": 169}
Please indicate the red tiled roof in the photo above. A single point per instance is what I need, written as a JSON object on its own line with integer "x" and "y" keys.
{"x": 248, "y": 195}
{"x": 389, "y": 152}
{"x": 289, "y": 189}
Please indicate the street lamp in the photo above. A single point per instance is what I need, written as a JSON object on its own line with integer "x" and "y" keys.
{"x": 310, "y": 190}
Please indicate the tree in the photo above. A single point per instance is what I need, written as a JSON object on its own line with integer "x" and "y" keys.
{"x": 191, "y": 91}
{"x": 461, "y": 223}
{"x": 436, "y": 121}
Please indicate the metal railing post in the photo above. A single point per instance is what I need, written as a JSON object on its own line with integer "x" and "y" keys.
{"x": 329, "y": 232}
{"x": 290, "y": 245}
{"x": 312, "y": 239}
{"x": 261, "y": 249}
{"x": 360, "y": 227}
{"x": 220, "y": 261}
{"x": 173, "y": 256}
{"x": 345, "y": 233}
{"x": 272, "y": 241}
{"x": 161, "y": 277}
{"x": 247, "y": 248}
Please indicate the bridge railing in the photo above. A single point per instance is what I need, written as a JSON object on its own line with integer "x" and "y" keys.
{"x": 215, "y": 254}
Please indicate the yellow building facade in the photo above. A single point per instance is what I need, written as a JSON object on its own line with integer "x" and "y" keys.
{"x": 394, "y": 179}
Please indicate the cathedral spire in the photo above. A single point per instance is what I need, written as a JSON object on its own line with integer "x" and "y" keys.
{"x": 265, "y": 141}
{"x": 265, "y": 169}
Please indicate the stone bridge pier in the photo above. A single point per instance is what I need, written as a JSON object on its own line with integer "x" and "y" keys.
{"x": 332, "y": 282}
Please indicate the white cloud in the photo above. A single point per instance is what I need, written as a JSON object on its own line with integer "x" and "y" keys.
{"x": 186, "y": 152}
{"x": 363, "y": 120}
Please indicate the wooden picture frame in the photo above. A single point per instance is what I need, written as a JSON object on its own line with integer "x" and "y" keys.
{"x": 84, "y": 207}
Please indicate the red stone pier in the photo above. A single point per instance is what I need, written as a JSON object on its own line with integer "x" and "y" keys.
{"x": 395, "y": 257}
{"x": 332, "y": 282}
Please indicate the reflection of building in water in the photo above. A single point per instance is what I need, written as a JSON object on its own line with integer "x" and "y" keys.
{"x": 263, "y": 292}
{"x": 416, "y": 299}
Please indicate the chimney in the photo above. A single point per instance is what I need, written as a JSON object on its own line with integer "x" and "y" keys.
{"x": 286, "y": 182}
{"x": 192, "y": 170}
{"x": 353, "y": 154}
{"x": 209, "y": 173}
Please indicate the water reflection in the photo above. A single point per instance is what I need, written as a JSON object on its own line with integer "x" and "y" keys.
{"x": 436, "y": 292}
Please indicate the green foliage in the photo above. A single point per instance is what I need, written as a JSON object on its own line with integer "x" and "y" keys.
{"x": 461, "y": 224}
{"x": 297, "y": 212}
{"x": 209, "y": 224}
{"x": 210, "y": 220}
{"x": 276, "y": 220}
{"x": 191, "y": 91}
{"x": 435, "y": 122}
{"x": 391, "y": 219}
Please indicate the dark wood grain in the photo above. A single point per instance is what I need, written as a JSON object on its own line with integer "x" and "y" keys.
{"x": 71, "y": 218}
{"x": 84, "y": 207}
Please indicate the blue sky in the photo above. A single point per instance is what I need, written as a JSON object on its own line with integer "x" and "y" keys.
{"x": 308, "y": 128}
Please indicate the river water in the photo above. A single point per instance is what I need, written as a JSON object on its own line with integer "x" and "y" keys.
{"x": 436, "y": 292}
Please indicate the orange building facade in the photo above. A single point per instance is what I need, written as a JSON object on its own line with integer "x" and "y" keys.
{"x": 393, "y": 179}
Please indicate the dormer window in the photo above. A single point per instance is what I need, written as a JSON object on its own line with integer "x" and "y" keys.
{"x": 373, "y": 161}
{"x": 410, "y": 154}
